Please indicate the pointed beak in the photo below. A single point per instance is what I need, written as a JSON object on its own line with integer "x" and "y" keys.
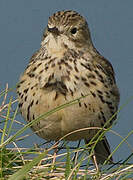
{"x": 54, "y": 31}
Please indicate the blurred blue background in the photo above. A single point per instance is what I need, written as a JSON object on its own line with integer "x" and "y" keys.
{"x": 111, "y": 24}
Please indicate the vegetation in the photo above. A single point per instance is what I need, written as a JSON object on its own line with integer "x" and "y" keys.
{"x": 40, "y": 161}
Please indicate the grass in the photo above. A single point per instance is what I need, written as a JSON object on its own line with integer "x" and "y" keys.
{"x": 37, "y": 162}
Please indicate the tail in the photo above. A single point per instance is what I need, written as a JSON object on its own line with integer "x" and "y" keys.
{"x": 101, "y": 151}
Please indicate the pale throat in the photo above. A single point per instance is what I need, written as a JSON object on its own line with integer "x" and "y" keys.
{"x": 57, "y": 46}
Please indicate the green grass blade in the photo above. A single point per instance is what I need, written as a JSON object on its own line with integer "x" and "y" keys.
{"x": 123, "y": 140}
{"x": 20, "y": 174}
{"x": 6, "y": 121}
{"x": 68, "y": 164}
{"x": 12, "y": 120}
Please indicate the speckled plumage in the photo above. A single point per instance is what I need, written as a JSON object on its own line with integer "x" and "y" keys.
{"x": 66, "y": 67}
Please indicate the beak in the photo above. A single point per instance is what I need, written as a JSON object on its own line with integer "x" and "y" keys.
{"x": 54, "y": 30}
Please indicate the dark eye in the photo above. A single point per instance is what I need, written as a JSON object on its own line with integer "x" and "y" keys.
{"x": 74, "y": 30}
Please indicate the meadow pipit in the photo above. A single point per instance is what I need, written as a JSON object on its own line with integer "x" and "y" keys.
{"x": 67, "y": 66}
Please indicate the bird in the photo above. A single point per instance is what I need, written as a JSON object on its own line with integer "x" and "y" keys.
{"x": 66, "y": 67}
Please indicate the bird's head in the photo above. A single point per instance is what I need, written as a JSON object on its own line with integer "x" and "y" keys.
{"x": 66, "y": 29}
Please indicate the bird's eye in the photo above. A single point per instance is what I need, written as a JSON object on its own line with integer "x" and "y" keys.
{"x": 74, "y": 30}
